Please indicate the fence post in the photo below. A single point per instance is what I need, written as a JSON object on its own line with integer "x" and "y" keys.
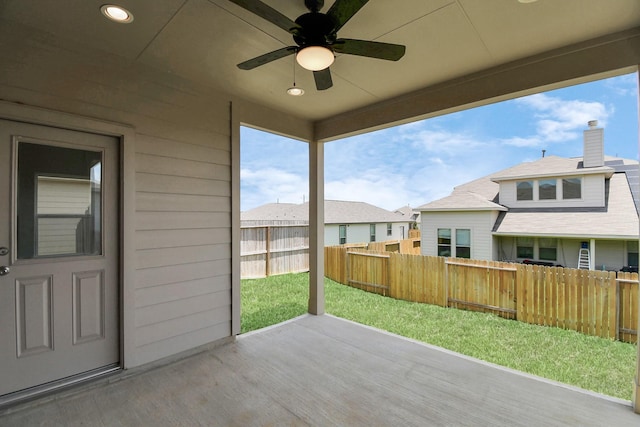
{"x": 446, "y": 283}
{"x": 267, "y": 256}
{"x": 617, "y": 310}
{"x": 519, "y": 293}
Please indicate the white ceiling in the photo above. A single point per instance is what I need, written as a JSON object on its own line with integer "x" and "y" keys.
{"x": 203, "y": 40}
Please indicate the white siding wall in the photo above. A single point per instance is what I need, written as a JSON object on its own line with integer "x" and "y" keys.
{"x": 593, "y": 147}
{"x": 592, "y": 194}
{"x": 360, "y": 233}
{"x": 610, "y": 254}
{"x": 479, "y": 222}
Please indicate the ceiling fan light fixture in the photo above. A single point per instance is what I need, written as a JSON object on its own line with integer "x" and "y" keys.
{"x": 315, "y": 58}
{"x": 116, "y": 13}
{"x": 295, "y": 91}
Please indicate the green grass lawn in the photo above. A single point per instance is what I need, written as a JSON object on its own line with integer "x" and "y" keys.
{"x": 592, "y": 363}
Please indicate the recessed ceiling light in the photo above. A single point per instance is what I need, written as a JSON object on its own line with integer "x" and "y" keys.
{"x": 527, "y": 1}
{"x": 295, "y": 91}
{"x": 116, "y": 13}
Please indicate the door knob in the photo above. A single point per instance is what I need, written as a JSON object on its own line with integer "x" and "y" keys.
{"x": 4, "y": 270}
{"x": 4, "y": 251}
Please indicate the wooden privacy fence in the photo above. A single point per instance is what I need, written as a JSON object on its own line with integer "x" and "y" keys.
{"x": 268, "y": 250}
{"x": 599, "y": 303}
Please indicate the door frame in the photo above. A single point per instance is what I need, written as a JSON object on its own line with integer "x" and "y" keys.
{"x": 126, "y": 200}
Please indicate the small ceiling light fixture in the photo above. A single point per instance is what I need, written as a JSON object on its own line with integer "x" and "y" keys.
{"x": 315, "y": 58}
{"x": 527, "y": 1}
{"x": 116, "y": 13}
{"x": 295, "y": 90}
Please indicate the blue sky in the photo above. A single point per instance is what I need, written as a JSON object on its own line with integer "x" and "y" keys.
{"x": 422, "y": 161}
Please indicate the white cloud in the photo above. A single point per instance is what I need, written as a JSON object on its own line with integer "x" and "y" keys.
{"x": 269, "y": 185}
{"x": 625, "y": 85}
{"x": 441, "y": 141}
{"x": 558, "y": 120}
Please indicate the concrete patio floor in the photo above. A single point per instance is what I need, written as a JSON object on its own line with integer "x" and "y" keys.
{"x": 324, "y": 371}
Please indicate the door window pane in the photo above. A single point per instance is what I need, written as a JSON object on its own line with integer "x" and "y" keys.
{"x": 59, "y": 201}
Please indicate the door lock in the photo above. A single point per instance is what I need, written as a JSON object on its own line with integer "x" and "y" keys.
{"x": 4, "y": 270}
{"x": 4, "y": 251}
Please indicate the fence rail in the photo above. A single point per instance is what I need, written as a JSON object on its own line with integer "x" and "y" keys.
{"x": 599, "y": 303}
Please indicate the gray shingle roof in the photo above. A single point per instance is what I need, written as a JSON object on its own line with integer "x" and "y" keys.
{"x": 549, "y": 166}
{"x": 335, "y": 212}
{"x": 461, "y": 200}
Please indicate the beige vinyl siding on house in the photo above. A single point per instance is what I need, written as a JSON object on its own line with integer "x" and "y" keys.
{"x": 479, "y": 222}
{"x": 178, "y": 294}
{"x": 182, "y": 291}
{"x": 592, "y": 194}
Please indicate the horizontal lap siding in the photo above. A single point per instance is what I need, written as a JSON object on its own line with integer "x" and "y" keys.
{"x": 183, "y": 217}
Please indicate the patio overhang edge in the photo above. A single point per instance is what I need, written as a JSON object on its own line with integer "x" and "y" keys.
{"x": 602, "y": 57}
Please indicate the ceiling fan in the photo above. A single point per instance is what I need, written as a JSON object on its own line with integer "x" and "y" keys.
{"x": 315, "y": 34}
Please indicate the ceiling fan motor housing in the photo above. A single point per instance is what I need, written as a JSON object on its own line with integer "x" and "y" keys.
{"x": 315, "y": 29}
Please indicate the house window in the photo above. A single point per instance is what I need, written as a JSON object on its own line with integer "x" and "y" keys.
{"x": 548, "y": 249}
{"x": 342, "y": 233}
{"x": 463, "y": 243}
{"x": 632, "y": 253}
{"x": 547, "y": 189}
{"x": 524, "y": 247}
{"x": 571, "y": 188}
{"x": 444, "y": 242}
{"x": 389, "y": 229}
{"x": 372, "y": 232}
{"x": 524, "y": 190}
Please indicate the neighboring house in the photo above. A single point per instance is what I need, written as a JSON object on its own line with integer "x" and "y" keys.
{"x": 412, "y": 214}
{"x": 543, "y": 211}
{"x": 344, "y": 221}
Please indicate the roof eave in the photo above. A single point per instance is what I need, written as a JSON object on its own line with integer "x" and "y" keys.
{"x": 606, "y": 171}
{"x": 570, "y": 236}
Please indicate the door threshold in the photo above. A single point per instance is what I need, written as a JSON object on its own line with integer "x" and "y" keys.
{"x": 32, "y": 393}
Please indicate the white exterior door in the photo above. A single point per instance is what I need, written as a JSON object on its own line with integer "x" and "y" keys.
{"x": 59, "y": 290}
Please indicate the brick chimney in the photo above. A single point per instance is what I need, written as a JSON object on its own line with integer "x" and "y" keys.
{"x": 593, "y": 146}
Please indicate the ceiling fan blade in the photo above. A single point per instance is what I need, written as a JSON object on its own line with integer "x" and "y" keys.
{"x": 388, "y": 51}
{"x": 267, "y": 12}
{"x": 342, "y": 10}
{"x": 266, "y": 58}
{"x": 323, "y": 79}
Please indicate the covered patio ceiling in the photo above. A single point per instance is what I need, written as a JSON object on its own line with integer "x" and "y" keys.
{"x": 459, "y": 53}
